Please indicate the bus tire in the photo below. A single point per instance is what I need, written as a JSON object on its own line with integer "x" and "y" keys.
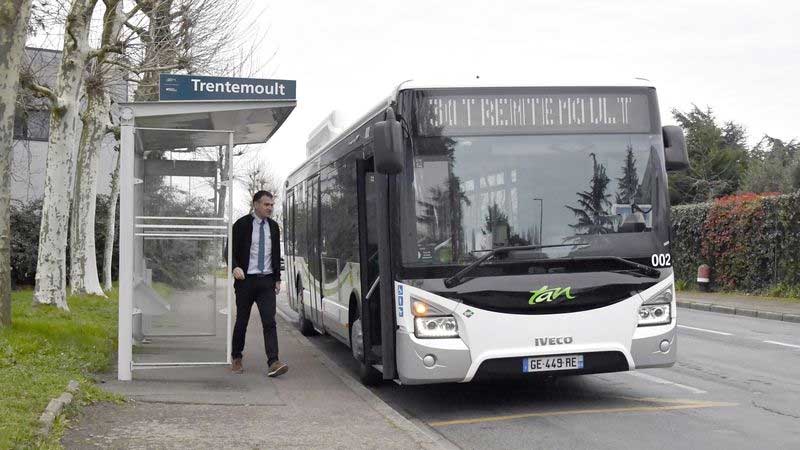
{"x": 304, "y": 325}
{"x": 368, "y": 375}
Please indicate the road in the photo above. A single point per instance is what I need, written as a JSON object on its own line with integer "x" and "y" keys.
{"x": 736, "y": 385}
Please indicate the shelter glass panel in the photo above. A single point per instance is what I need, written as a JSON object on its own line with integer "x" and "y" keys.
{"x": 181, "y": 222}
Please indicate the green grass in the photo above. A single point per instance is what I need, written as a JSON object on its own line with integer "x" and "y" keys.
{"x": 783, "y": 290}
{"x": 41, "y": 351}
{"x": 683, "y": 285}
{"x": 163, "y": 289}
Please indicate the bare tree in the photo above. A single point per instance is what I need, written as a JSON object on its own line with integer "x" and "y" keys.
{"x": 13, "y": 29}
{"x": 51, "y": 262}
{"x": 258, "y": 177}
{"x": 162, "y": 35}
{"x": 96, "y": 125}
{"x": 177, "y": 35}
{"x": 108, "y": 251}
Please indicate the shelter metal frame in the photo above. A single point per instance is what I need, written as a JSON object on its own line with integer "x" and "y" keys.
{"x": 244, "y": 122}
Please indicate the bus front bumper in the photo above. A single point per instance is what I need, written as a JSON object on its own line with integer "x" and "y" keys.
{"x": 423, "y": 361}
{"x": 659, "y": 350}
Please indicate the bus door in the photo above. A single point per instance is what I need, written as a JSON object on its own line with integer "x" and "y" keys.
{"x": 368, "y": 248}
{"x": 289, "y": 240}
{"x": 314, "y": 265}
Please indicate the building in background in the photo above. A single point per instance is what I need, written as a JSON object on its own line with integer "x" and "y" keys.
{"x": 32, "y": 131}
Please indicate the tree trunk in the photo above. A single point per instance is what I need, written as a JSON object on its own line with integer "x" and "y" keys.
{"x": 108, "y": 252}
{"x": 13, "y": 29}
{"x": 51, "y": 264}
{"x": 114, "y": 18}
{"x": 222, "y": 189}
{"x": 83, "y": 257}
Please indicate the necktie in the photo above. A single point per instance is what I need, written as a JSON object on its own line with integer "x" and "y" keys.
{"x": 261, "y": 246}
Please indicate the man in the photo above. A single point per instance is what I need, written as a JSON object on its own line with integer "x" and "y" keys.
{"x": 257, "y": 270}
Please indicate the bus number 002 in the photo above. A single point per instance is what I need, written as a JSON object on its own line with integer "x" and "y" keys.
{"x": 661, "y": 260}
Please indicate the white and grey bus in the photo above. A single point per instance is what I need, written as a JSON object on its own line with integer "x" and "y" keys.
{"x": 458, "y": 233}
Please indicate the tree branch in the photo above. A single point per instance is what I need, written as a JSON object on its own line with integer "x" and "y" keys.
{"x": 39, "y": 90}
{"x": 132, "y": 13}
{"x": 138, "y": 30}
{"x": 138, "y": 70}
{"x": 71, "y": 34}
{"x": 101, "y": 52}
{"x": 113, "y": 130}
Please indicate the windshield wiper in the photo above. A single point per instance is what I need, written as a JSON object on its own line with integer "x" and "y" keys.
{"x": 639, "y": 268}
{"x": 458, "y": 278}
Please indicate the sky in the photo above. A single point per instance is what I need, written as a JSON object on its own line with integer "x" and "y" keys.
{"x": 742, "y": 58}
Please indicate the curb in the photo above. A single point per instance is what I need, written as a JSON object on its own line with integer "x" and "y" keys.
{"x": 417, "y": 434}
{"x": 724, "y": 309}
{"x": 55, "y": 407}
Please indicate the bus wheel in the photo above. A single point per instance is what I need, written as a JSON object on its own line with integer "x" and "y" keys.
{"x": 304, "y": 325}
{"x": 368, "y": 375}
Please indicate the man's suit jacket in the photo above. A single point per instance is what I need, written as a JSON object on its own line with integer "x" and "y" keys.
{"x": 243, "y": 239}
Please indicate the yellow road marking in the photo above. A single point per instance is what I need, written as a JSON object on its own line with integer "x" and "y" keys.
{"x": 677, "y": 401}
{"x": 694, "y": 405}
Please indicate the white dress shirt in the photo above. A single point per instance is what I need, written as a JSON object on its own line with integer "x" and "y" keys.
{"x": 252, "y": 268}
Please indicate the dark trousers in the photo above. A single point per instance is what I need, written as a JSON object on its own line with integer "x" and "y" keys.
{"x": 261, "y": 291}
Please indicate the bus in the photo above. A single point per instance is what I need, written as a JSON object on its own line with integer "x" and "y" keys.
{"x": 474, "y": 232}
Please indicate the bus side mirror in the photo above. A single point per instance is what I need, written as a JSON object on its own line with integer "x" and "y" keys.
{"x": 676, "y": 156}
{"x": 388, "y": 145}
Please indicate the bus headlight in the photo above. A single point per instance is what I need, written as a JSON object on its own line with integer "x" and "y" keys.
{"x": 432, "y": 322}
{"x": 435, "y": 327}
{"x": 656, "y": 310}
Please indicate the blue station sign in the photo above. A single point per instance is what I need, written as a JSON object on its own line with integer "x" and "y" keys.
{"x": 198, "y": 87}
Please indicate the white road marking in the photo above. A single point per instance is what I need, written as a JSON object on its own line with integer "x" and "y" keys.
{"x": 707, "y": 331}
{"x": 783, "y": 344}
{"x": 658, "y": 380}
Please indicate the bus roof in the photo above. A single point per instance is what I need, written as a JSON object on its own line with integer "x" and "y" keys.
{"x": 474, "y": 83}
{"x": 489, "y": 83}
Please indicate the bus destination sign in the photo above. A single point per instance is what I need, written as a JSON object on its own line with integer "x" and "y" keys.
{"x": 533, "y": 114}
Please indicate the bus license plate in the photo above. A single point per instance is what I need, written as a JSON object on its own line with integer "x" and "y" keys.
{"x": 548, "y": 363}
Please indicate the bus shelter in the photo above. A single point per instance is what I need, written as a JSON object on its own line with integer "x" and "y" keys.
{"x": 176, "y": 215}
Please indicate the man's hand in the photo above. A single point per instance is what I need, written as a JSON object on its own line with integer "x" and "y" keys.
{"x": 277, "y": 287}
{"x": 238, "y": 273}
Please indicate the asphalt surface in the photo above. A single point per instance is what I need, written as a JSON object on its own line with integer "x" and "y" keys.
{"x": 736, "y": 385}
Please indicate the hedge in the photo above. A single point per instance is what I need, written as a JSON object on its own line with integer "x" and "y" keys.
{"x": 751, "y": 241}
{"x": 25, "y": 222}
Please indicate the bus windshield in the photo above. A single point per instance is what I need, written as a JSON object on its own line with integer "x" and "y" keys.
{"x": 605, "y": 193}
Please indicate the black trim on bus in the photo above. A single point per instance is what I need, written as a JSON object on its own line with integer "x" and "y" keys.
{"x": 519, "y": 293}
{"x": 522, "y": 266}
{"x": 362, "y": 168}
{"x": 388, "y": 324}
{"x": 511, "y": 368}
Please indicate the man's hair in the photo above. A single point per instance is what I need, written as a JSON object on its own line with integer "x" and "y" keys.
{"x": 260, "y": 194}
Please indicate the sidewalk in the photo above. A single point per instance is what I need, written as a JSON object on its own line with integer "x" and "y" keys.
{"x": 315, "y": 405}
{"x": 743, "y": 305}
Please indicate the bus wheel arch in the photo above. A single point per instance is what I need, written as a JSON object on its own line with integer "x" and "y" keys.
{"x": 353, "y": 316}
{"x": 368, "y": 375}
{"x": 353, "y": 309}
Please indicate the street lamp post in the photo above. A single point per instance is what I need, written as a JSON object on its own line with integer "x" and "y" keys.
{"x": 541, "y": 214}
